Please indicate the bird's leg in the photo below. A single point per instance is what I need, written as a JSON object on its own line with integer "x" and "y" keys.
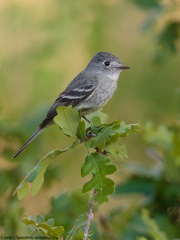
{"x": 88, "y": 135}
{"x": 87, "y": 120}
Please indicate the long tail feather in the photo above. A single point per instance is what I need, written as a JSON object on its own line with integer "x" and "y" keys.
{"x": 28, "y": 141}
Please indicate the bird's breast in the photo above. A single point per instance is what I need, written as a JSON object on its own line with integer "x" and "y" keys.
{"x": 100, "y": 96}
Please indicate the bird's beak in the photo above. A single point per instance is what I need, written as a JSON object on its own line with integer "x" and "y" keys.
{"x": 122, "y": 67}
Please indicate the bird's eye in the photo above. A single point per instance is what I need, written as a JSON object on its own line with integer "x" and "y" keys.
{"x": 106, "y": 63}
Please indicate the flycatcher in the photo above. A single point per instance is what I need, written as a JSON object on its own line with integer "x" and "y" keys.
{"x": 89, "y": 90}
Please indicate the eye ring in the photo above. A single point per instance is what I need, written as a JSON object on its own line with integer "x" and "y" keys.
{"x": 107, "y": 63}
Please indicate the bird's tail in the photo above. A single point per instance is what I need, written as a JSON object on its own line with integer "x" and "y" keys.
{"x": 28, "y": 141}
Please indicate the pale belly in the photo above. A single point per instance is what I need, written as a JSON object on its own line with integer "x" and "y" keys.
{"x": 99, "y": 98}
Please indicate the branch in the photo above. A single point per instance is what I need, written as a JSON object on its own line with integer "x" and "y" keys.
{"x": 90, "y": 217}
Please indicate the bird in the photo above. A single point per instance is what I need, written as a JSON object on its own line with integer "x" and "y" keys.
{"x": 89, "y": 91}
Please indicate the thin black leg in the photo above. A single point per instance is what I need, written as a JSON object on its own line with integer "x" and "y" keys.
{"x": 87, "y": 120}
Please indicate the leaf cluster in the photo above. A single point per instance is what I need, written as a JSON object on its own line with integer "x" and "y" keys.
{"x": 99, "y": 138}
{"x": 102, "y": 141}
{"x": 37, "y": 226}
{"x": 157, "y": 186}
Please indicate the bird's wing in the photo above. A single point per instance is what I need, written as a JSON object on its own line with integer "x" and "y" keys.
{"x": 73, "y": 95}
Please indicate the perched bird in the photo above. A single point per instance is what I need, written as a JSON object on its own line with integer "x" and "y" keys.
{"x": 89, "y": 90}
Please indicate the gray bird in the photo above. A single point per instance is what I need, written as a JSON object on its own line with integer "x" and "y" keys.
{"x": 89, "y": 90}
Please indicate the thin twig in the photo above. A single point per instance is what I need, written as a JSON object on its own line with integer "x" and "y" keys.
{"x": 90, "y": 217}
{"x": 104, "y": 153}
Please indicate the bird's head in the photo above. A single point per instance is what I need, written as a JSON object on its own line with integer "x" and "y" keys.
{"x": 106, "y": 63}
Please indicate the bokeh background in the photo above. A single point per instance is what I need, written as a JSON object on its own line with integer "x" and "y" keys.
{"x": 43, "y": 45}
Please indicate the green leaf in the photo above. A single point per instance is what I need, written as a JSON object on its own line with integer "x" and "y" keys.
{"x": 36, "y": 176}
{"x": 76, "y": 232}
{"x": 50, "y": 222}
{"x": 97, "y": 165}
{"x": 95, "y": 122}
{"x": 81, "y": 132}
{"x": 100, "y": 140}
{"x": 115, "y": 148}
{"x": 105, "y": 132}
{"x": 102, "y": 118}
{"x": 135, "y": 128}
{"x": 23, "y": 190}
{"x": 122, "y": 128}
{"x": 68, "y": 119}
{"x": 39, "y": 225}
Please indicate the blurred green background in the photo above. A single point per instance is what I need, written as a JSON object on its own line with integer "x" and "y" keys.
{"x": 44, "y": 44}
